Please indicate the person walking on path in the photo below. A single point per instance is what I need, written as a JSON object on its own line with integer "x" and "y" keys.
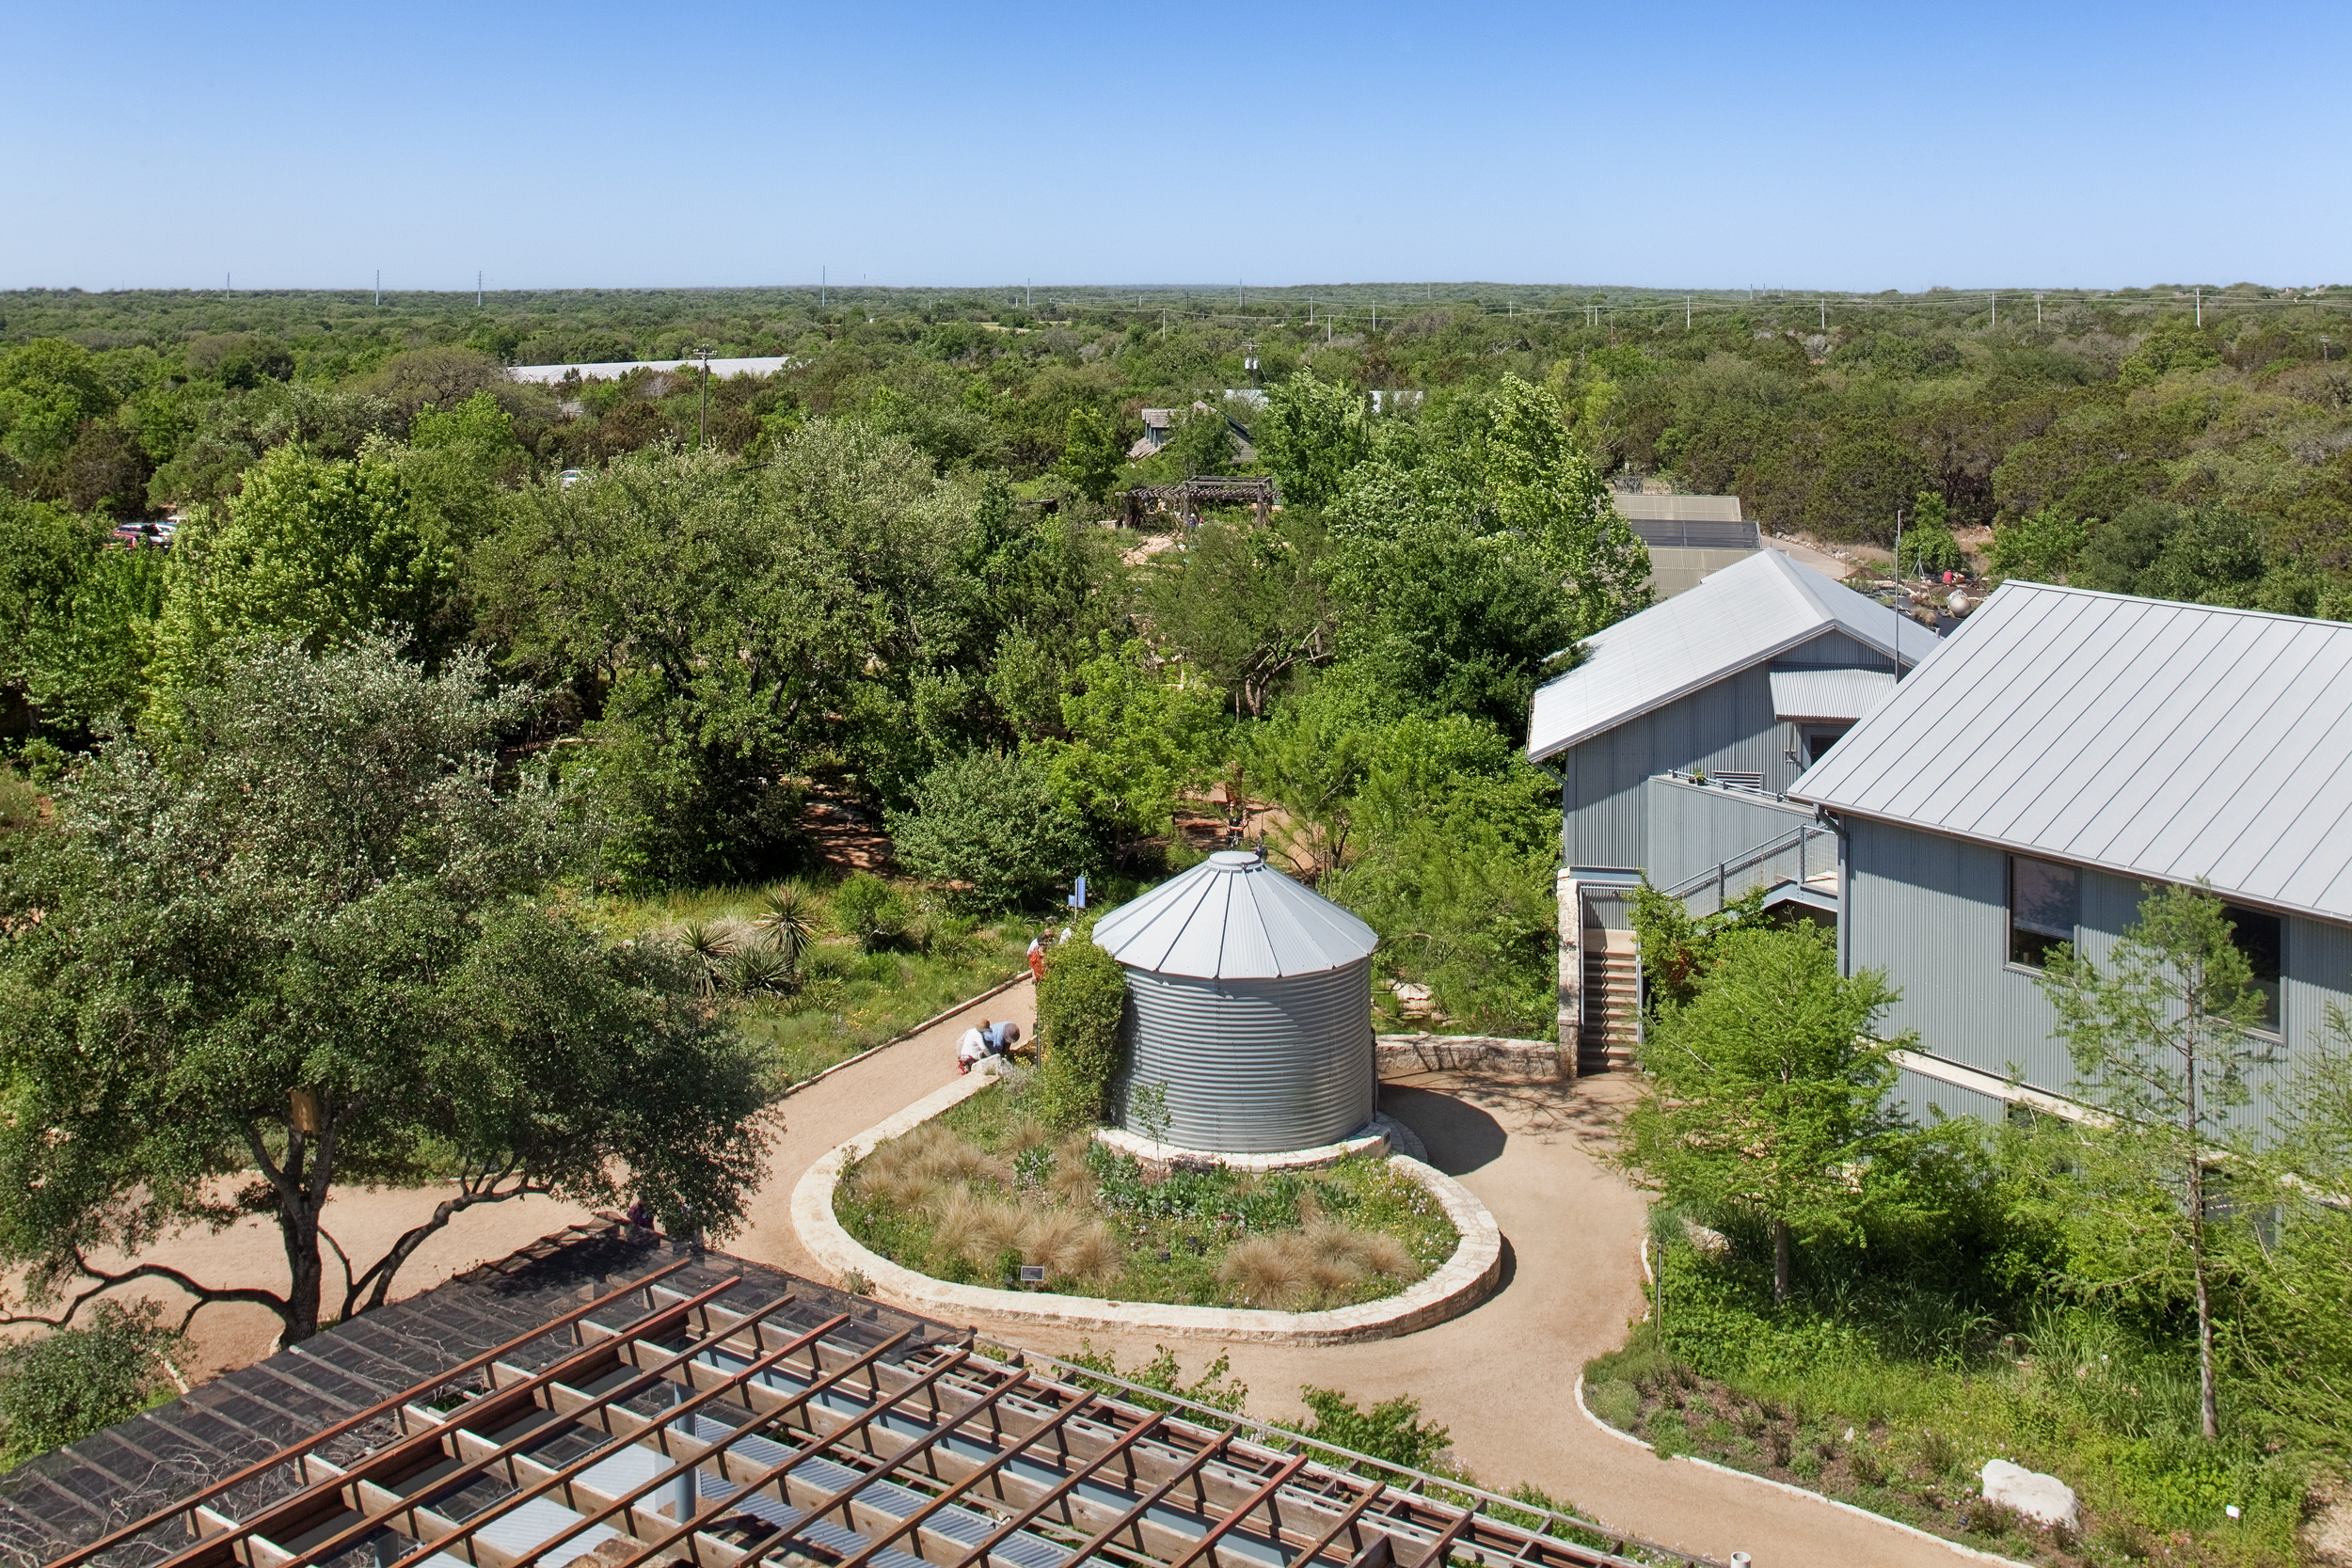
{"x": 1036, "y": 956}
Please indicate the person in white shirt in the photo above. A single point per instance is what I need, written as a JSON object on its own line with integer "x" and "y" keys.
{"x": 983, "y": 1040}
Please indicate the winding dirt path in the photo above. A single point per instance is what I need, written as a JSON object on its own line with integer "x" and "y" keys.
{"x": 1501, "y": 1377}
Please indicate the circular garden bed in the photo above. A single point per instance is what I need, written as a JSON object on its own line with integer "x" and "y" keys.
{"x": 986, "y": 1195}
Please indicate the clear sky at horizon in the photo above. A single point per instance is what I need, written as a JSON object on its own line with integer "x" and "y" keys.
{"x": 1794, "y": 145}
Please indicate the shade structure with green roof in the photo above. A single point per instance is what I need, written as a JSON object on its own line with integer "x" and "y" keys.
{"x": 1249, "y": 1008}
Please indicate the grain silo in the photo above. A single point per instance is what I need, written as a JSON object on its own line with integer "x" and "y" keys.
{"x": 1249, "y": 999}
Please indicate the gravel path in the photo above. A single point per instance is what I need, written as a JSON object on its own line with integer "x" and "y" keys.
{"x": 1502, "y": 1376}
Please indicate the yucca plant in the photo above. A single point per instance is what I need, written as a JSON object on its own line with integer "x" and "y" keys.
{"x": 710, "y": 945}
{"x": 788, "y": 920}
{"x": 758, "y": 972}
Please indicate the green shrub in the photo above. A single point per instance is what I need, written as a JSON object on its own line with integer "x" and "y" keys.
{"x": 989, "y": 828}
{"x": 1080, "y": 1004}
{"x": 66, "y": 1385}
{"x": 1390, "y": 1430}
{"x": 870, "y": 910}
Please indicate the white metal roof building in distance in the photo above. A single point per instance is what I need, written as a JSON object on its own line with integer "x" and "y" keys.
{"x": 1743, "y": 615}
{"x": 612, "y": 369}
{"x": 1233, "y": 917}
{"x": 2170, "y": 741}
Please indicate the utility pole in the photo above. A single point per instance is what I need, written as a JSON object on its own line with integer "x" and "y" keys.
{"x": 477, "y": 290}
{"x": 1825, "y": 315}
{"x": 1686, "y": 312}
{"x": 2037, "y": 309}
{"x": 701, "y": 420}
{"x": 1996, "y": 310}
{"x": 820, "y": 287}
{"x": 379, "y": 288}
{"x": 2201, "y": 307}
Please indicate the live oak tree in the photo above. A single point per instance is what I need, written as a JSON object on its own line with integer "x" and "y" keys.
{"x": 2161, "y": 1031}
{"x": 1766, "y": 1101}
{"x": 296, "y": 946}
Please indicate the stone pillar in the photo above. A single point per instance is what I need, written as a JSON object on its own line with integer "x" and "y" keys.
{"x": 1571, "y": 972}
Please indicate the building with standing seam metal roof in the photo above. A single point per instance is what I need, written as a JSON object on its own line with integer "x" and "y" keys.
{"x": 1675, "y": 734}
{"x": 2059, "y": 755}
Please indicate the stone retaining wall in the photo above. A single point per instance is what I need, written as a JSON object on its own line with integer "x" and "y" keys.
{"x": 1456, "y": 1285}
{"x": 1400, "y": 1055}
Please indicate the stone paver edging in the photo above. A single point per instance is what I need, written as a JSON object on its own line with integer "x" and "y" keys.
{"x": 1457, "y": 1285}
{"x": 1943, "y": 1541}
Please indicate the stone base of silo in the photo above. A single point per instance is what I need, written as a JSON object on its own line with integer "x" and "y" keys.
{"x": 1376, "y": 1139}
{"x": 1458, "y": 1284}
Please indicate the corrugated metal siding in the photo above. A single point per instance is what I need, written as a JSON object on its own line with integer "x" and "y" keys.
{"x": 1694, "y": 826}
{"x": 1932, "y": 912}
{"x": 1727, "y": 725}
{"x": 1835, "y": 650}
{"x": 1920, "y": 1096}
{"x": 1844, "y": 695}
{"x": 1253, "y": 1067}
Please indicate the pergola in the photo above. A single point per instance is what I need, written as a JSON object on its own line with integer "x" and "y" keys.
{"x": 723, "y": 1414}
{"x": 1191, "y": 495}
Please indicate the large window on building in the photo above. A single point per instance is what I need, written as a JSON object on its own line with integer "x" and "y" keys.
{"x": 2043, "y": 900}
{"x": 2258, "y": 936}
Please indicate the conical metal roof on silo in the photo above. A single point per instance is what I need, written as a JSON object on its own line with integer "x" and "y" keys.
{"x": 1251, "y": 1005}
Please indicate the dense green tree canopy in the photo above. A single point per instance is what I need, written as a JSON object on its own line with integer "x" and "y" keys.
{"x": 295, "y": 945}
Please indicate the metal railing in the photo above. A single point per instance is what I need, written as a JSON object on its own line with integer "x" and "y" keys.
{"x": 1719, "y": 876}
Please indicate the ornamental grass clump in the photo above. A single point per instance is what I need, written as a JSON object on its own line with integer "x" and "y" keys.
{"x": 989, "y": 1184}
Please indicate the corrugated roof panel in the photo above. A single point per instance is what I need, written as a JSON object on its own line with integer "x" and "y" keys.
{"x": 1846, "y": 694}
{"x": 1741, "y": 616}
{"x": 2171, "y": 741}
{"x": 1233, "y": 917}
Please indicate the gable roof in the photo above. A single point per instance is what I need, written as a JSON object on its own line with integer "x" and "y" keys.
{"x": 1741, "y": 616}
{"x": 2170, "y": 741}
{"x": 1233, "y": 917}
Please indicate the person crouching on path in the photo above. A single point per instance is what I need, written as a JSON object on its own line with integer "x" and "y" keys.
{"x": 984, "y": 1040}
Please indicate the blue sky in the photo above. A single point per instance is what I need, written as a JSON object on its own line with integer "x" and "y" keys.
{"x": 1825, "y": 146}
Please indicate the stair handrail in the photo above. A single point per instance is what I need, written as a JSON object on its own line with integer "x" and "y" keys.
{"x": 1717, "y": 873}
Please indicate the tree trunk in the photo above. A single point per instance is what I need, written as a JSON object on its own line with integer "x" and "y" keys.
{"x": 298, "y": 1224}
{"x": 1780, "y": 1261}
{"x": 2208, "y": 1409}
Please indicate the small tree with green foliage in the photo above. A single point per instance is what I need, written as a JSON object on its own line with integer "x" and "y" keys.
{"x": 867, "y": 908}
{"x": 1081, "y": 1010}
{"x": 1766, "y": 1096}
{"x": 1310, "y": 433}
{"x": 2040, "y": 546}
{"x": 2161, "y": 1034}
{"x": 1928, "y": 548}
{"x": 2295, "y": 1336}
{"x": 69, "y": 1383}
{"x": 1391, "y": 1430}
{"x": 1677, "y": 948}
{"x": 1091, "y": 452}
{"x": 990, "y": 829}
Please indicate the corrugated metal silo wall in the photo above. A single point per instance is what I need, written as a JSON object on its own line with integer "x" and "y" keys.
{"x": 1253, "y": 1067}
